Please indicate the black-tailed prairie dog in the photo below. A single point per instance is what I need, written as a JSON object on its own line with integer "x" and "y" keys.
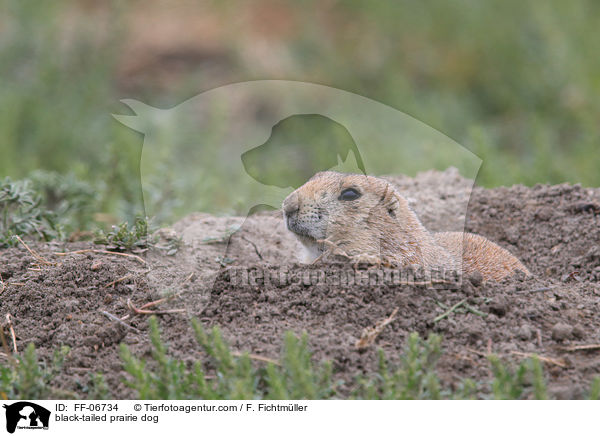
{"x": 365, "y": 219}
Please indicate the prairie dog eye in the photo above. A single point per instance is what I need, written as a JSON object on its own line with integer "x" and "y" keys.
{"x": 349, "y": 194}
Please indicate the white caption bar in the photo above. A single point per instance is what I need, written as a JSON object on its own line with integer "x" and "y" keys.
{"x": 298, "y": 417}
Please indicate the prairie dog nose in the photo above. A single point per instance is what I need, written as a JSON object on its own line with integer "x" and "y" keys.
{"x": 291, "y": 204}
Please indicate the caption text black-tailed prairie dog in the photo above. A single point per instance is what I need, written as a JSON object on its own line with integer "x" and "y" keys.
{"x": 365, "y": 219}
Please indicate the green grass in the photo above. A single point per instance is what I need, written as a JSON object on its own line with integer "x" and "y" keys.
{"x": 72, "y": 200}
{"x": 50, "y": 206}
{"x": 46, "y": 206}
{"x": 60, "y": 99}
{"x": 28, "y": 377}
{"x": 223, "y": 374}
{"x": 23, "y": 214}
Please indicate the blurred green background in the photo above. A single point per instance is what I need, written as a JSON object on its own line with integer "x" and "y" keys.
{"x": 516, "y": 82}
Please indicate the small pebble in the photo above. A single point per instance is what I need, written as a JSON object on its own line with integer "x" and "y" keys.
{"x": 476, "y": 278}
{"x": 512, "y": 235}
{"x": 96, "y": 265}
{"x": 524, "y": 332}
{"x": 544, "y": 213}
{"x": 561, "y": 331}
{"x": 498, "y": 307}
{"x": 565, "y": 392}
{"x": 578, "y": 332}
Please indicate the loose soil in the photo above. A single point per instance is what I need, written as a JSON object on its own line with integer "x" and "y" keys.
{"x": 555, "y": 230}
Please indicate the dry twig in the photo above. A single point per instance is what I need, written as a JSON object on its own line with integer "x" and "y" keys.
{"x": 117, "y": 319}
{"x": 584, "y": 347}
{"x": 91, "y": 250}
{"x": 556, "y": 362}
{"x": 162, "y": 300}
{"x": 369, "y": 334}
{"x": 479, "y": 353}
{"x": 256, "y": 357}
{"x": 12, "y": 332}
{"x": 154, "y": 303}
{"x": 467, "y": 358}
{"x": 141, "y": 311}
{"x": 36, "y": 256}
{"x": 188, "y": 278}
{"x": 113, "y": 283}
{"x": 5, "y": 346}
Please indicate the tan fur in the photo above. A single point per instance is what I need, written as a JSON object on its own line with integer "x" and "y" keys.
{"x": 380, "y": 227}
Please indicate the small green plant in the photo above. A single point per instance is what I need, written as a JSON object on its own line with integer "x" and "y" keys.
{"x": 594, "y": 393}
{"x": 137, "y": 238}
{"x": 527, "y": 379}
{"x": 45, "y": 206}
{"x": 22, "y": 213}
{"x": 235, "y": 377}
{"x": 28, "y": 377}
{"x": 415, "y": 378}
{"x": 96, "y": 389}
{"x": 297, "y": 377}
{"x": 72, "y": 200}
{"x": 124, "y": 237}
{"x": 224, "y": 374}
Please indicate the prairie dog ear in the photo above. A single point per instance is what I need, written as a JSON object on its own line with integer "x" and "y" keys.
{"x": 392, "y": 201}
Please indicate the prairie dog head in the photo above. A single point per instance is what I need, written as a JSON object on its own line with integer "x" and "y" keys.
{"x": 360, "y": 215}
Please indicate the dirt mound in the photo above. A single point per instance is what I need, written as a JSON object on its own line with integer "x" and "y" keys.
{"x": 554, "y": 230}
{"x": 252, "y": 288}
{"x": 512, "y": 318}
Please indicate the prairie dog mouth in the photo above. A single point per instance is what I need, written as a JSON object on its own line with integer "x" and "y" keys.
{"x": 300, "y": 229}
{"x": 307, "y": 240}
{"x": 312, "y": 248}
